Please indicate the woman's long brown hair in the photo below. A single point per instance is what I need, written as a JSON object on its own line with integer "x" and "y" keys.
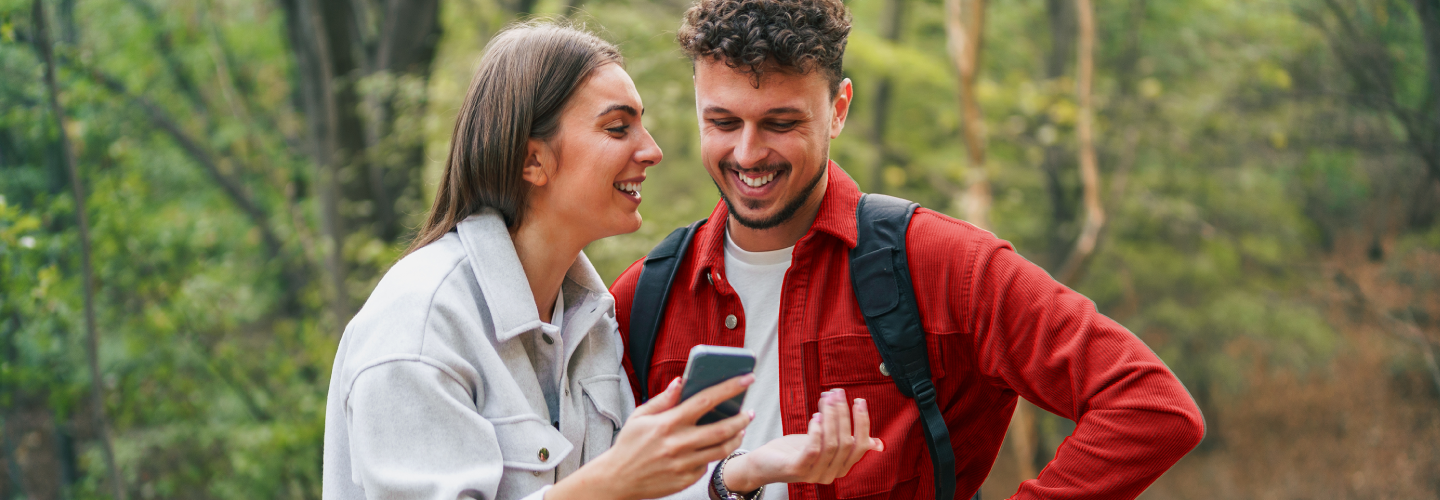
{"x": 526, "y": 76}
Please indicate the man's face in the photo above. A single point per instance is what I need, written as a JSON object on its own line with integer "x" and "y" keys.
{"x": 767, "y": 148}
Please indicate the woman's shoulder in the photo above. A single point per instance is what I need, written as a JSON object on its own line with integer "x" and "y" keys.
{"x": 415, "y": 291}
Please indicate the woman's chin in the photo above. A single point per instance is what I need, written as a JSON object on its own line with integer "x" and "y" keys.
{"x": 633, "y": 224}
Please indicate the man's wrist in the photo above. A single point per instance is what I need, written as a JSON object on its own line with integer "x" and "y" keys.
{"x": 739, "y": 477}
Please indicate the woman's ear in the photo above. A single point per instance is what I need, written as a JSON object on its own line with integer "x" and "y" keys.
{"x": 537, "y": 156}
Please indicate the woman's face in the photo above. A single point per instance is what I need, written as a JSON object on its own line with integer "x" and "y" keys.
{"x": 588, "y": 175}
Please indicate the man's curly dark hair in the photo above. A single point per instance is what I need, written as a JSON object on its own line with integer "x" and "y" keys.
{"x": 751, "y": 35}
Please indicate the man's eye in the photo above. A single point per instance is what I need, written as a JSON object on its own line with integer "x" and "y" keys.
{"x": 784, "y": 125}
{"x": 724, "y": 123}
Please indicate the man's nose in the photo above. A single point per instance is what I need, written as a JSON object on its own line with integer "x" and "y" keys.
{"x": 752, "y": 148}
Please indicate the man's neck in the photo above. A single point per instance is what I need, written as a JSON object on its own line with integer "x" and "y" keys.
{"x": 784, "y": 235}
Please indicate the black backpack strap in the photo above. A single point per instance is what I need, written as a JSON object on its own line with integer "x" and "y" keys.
{"x": 647, "y": 309}
{"x": 881, "y": 277}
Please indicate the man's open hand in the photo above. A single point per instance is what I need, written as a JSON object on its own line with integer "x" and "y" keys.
{"x": 838, "y": 437}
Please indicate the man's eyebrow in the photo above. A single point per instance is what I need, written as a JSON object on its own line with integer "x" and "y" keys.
{"x": 772, "y": 111}
{"x": 620, "y": 107}
{"x": 783, "y": 111}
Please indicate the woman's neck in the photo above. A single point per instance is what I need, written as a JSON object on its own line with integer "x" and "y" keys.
{"x": 546, "y": 249}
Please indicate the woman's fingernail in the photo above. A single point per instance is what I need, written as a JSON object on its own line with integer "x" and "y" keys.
{"x": 752, "y": 414}
{"x": 673, "y": 382}
{"x": 746, "y": 380}
{"x": 860, "y": 403}
{"x": 877, "y": 444}
{"x": 840, "y": 393}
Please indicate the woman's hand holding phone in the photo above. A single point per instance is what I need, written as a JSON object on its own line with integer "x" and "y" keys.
{"x": 825, "y": 453}
{"x": 661, "y": 450}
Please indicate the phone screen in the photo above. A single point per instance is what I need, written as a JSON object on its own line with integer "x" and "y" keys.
{"x": 710, "y": 365}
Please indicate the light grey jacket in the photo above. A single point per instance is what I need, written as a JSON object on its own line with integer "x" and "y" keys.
{"x": 437, "y": 387}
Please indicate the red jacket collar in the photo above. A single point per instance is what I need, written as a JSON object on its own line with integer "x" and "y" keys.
{"x": 836, "y": 219}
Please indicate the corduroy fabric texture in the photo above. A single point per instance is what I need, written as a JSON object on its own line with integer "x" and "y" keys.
{"x": 997, "y": 326}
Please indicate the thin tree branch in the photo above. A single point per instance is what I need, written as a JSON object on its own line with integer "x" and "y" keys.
{"x": 192, "y": 148}
{"x": 1084, "y": 131}
{"x": 1405, "y": 330}
{"x": 165, "y": 46}
{"x": 92, "y": 342}
{"x": 964, "y": 29}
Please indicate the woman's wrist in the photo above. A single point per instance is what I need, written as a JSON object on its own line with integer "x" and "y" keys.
{"x": 588, "y": 482}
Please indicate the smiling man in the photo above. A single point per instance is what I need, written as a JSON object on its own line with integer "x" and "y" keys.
{"x": 770, "y": 268}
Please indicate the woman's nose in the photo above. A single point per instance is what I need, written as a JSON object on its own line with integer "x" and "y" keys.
{"x": 649, "y": 153}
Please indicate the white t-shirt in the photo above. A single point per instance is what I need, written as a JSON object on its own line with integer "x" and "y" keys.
{"x": 757, "y": 278}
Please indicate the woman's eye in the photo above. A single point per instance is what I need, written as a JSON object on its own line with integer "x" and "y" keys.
{"x": 620, "y": 130}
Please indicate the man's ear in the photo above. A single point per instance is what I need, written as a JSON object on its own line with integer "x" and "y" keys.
{"x": 845, "y": 93}
{"x": 538, "y": 156}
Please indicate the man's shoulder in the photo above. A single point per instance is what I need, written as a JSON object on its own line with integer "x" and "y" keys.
{"x": 624, "y": 285}
{"x": 934, "y": 234}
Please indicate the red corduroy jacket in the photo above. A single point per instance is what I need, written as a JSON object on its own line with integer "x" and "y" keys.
{"x": 997, "y": 327}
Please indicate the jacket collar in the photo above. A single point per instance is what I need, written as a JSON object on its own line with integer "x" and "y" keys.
{"x": 502, "y": 281}
{"x": 835, "y": 219}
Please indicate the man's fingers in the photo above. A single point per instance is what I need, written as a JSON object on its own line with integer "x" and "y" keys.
{"x": 844, "y": 433}
{"x": 863, "y": 442}
{"x": 691, "y": 409}
{"x": 830, "y": 444}
{"x": 661, "y": 402}
{"x": 815, "y": 444}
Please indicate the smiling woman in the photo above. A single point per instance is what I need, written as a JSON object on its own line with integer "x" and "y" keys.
{"x": 486, "y": 363}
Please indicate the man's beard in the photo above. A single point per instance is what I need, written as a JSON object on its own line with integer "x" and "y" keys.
{"x": 786, "y": 212}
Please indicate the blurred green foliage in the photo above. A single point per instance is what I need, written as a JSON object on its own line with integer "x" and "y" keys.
{"x": 1235, "y": 150}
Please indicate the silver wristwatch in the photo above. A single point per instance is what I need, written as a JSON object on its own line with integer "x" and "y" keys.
{"x": 717, "y": 483}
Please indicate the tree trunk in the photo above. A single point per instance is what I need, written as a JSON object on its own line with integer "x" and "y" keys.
{"x": 1061, "y": 17}
{"x": 336, "y": 45}
{"x": 964, "y": 29}
{"x": 1428, "y": 12}
{"x": 92, "y": 343}
{"x": 1084, "y": 133}
{"x": 890, "y": 30}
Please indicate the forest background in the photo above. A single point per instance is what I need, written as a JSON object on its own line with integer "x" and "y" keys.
{"x": 1250, "y": 186}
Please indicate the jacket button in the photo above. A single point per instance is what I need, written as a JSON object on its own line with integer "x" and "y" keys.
{"x": 544, "y": 454}
{"x": 548, "y": 340}
{"x": 538, "y": 473}
{"x": 730, "y": 322}
{"x": 883, "y": 371}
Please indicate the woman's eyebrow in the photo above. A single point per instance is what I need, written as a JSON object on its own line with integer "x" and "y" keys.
{"x": 620, "y": 107}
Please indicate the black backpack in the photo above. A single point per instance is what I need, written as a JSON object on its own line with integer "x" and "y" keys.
{"x": 878, "y": 268}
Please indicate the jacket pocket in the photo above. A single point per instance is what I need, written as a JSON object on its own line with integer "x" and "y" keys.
{"x": 607, "y": 398}
{"x": 850, "y": 359}
{"x": 529, "y": 443}
{"x": 606, "y": 413}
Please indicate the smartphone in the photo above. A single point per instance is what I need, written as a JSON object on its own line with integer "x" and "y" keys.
{"x": 713, "y": 364}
